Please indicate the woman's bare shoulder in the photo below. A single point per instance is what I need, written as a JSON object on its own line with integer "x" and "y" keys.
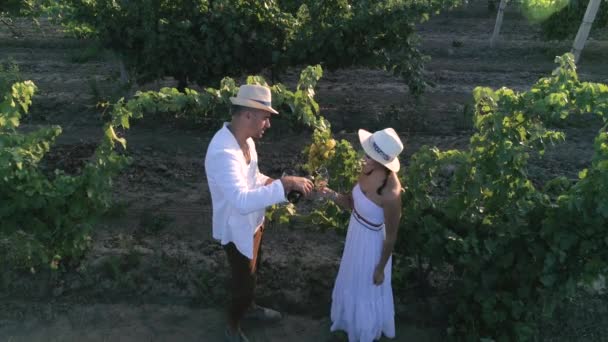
{"x": 393, "y": 188}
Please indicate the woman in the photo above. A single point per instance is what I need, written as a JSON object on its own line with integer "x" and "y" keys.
{"x": 362, "y": 299}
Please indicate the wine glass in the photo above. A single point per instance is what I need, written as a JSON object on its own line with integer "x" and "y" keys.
{"x": 321, "y": 179}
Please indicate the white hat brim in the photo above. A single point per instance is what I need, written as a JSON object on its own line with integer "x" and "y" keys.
{"x": 252, "y": 104}
{"x": 364, "y": 138}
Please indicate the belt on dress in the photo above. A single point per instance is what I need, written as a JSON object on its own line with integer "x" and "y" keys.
{"x": 367, "y": 224}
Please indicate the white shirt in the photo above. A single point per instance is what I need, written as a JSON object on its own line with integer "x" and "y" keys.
{"x": 238, "y": 194}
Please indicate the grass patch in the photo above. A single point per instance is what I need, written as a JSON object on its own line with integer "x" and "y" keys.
{"x": 92, "y": 52}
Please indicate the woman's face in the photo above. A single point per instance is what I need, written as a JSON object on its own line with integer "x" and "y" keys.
{"x": 368, "y": 164}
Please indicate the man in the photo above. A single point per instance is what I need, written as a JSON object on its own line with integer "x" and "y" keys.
{"x": 240, "y": 195}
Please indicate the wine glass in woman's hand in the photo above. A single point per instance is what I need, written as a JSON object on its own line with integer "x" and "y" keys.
{"x": 321, "y": 177}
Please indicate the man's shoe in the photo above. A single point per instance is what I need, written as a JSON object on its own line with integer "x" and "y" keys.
{"x": 263, "y": 314}
{"x": 237, "y": 337}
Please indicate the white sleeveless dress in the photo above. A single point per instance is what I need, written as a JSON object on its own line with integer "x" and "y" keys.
{"x": 363, "y": 310}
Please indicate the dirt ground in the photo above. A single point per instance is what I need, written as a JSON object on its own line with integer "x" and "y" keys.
{"x": 155, "y": 274}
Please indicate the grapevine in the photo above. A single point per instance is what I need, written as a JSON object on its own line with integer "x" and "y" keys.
{"x": 321, "y": 149}
{"x": 48, "y": 216}
{"x": 202, "y": 41}
{"x": 212, "y": 106}
{"x": 516, "y": 250}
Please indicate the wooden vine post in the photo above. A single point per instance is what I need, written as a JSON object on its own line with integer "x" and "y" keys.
{"x": 583, "y": 30}
{"x": 498, "y": 24}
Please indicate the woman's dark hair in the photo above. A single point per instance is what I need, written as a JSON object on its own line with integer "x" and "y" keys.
{"x": 387, "y": 172}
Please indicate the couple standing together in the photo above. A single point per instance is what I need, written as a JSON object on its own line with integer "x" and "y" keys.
{"x": 362, "y": 298}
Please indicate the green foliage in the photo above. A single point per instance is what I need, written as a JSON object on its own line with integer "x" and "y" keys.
{"x": 328, "y": 215}
{"x": 299, "y": 108}
{"x": 539, "y": 10}
{"x": 280, "y": 214}
{"x": 515, "y": 250}
{"x": 86, "y": 54}
{"x": 343, "y": 165}
{"x": 339, "y": 157}
{"x": 32, "y": 9}
{"x": 19, "y": 7}
{"x": 208, "y": 108}
{"x": 192, "y": 40}
{"x": 9, "y": 75}
{"x": 47, "y": 216}
{"x": 565, "y": 23}
{"x": 371, "y": 33}
{"x": 202, "y": 41}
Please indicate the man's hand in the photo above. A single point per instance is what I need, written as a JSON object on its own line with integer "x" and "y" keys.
{"x": 301, "y": 184}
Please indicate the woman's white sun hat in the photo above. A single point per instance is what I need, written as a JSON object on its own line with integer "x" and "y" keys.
{"x": 382, "y": 146}
{"x": 254, "y": 96}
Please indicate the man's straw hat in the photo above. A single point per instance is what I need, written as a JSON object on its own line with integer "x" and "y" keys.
{"x": 254, "y": 96}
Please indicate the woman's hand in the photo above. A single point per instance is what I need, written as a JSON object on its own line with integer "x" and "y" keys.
{"x": 344, "y": 201}
{"x": 378, "y": 276}
{"x": 327, "y": 193}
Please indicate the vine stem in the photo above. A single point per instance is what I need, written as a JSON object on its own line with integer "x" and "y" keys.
{"x": 11, "y": 27}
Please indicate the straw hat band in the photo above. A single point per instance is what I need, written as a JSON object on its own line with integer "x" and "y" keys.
{"x": 265, "y": 103}
{"x": 379, "y": 150}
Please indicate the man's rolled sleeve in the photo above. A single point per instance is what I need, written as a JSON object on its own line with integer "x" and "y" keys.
{"x": 226, "y": 172}
{"x": 262, "y": 178}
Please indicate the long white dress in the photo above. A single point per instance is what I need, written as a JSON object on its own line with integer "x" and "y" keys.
{"x": 363, "y": 310}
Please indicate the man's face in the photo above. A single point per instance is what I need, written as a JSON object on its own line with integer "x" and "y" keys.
{"x": 260, "y": 122}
